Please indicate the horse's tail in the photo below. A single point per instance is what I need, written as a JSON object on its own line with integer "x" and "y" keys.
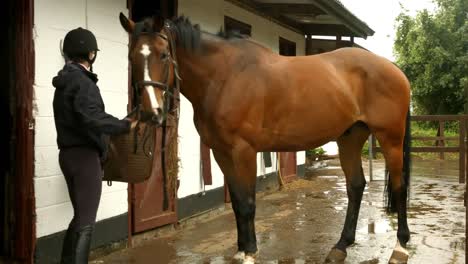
{"x": 391, "y": 202}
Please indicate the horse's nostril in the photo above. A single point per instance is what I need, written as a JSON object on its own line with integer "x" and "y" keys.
{"x": 159, "y": 110}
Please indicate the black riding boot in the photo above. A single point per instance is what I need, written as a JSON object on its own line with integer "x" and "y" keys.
{"x": 68, "y": 246}
{"x": 82, "y": 245}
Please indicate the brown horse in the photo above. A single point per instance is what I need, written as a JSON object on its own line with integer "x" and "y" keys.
{"x": 248, "y": 99}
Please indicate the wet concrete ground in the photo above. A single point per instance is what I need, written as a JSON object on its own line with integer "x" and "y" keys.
{"x": 303, "y": 221}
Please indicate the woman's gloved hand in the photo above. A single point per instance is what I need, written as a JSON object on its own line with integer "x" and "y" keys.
{"x": 132, "y": 123}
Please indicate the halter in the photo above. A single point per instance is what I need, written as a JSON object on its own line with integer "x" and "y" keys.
{"x": 167, "y": 90}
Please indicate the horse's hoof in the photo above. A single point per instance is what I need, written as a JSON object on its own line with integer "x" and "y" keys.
{"x": 249, "y": 260}
{"x": 399, "y": 256}
{"x": 239, "y": 257}
{"x": 336, "y": 256}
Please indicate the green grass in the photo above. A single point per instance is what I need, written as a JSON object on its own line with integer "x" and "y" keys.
{"x": 315, "y": 152}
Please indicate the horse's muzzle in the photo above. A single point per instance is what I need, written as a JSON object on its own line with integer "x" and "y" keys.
{"x": 153, "y": 118}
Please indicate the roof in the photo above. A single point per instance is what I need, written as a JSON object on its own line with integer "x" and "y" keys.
{"x": 311, "y": 17}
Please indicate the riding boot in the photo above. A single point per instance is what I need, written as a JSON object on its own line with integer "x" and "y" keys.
{"x": 68, "y": 247}
{"x": 83, "y": 244}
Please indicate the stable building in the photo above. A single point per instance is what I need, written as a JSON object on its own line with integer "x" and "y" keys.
{"x": 36, "y": 208}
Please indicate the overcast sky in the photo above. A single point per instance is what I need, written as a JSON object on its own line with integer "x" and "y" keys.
{"x": 380, "y": 16}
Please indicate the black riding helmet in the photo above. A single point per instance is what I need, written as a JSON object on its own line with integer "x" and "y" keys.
{"x": 78, "y": 43}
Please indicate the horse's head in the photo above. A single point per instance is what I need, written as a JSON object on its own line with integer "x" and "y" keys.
{"x": 153, "y": 64}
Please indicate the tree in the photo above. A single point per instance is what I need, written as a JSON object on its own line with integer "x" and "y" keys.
{"x": 432, "y": 50}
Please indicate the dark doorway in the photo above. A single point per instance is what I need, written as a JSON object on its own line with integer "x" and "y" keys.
{"x": 148, "y": 8}
{"x": 288, "y": 164}
{"x": 146, "y": 208}
{"x": 6, "y": 68}
{"x": 236, "y": 26}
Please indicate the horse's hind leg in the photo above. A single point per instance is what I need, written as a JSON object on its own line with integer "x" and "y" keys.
{"x": 392, "y": 148}
{"x": 239, "y": 166}
{"x": 350, "y": 146}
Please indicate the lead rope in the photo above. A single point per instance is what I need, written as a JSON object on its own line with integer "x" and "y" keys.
{"x": 148, "y": 133}
{"x": 167, "y": 109}
{"x": 176, "y": 99}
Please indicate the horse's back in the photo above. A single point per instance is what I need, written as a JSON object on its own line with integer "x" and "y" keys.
{"x": 380, "y": 87}
{"x": 295, "y": 103}
{"x": 371, "y": 66}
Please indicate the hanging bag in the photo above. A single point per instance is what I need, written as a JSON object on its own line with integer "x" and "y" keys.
{"x": 130, "y": 156}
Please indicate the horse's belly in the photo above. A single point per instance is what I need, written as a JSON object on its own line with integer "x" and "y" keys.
{"x": 293, "y": 144}
{"x": 299, "y": 137}
{"x": 303, "y": 131}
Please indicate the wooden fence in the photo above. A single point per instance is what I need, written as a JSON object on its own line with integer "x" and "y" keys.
{"x": 440, "y": 140}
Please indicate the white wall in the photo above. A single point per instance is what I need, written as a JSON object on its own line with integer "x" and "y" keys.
{"x": 210, "y": 15}
{"x": 53, "y": 19}
{"x": 264, "y": 30}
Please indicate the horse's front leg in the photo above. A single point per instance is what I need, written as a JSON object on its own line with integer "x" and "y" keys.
{"x": 239, "y": 167}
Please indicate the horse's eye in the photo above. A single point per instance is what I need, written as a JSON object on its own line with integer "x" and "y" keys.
{"x": 164, "y": 55}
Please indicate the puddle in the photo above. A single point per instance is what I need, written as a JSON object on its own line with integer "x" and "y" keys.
{"x": 301, "y": 223}
{"x": 380, "y": 226}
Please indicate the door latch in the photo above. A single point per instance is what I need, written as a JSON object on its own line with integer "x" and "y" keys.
{"x": 31, "y": 124}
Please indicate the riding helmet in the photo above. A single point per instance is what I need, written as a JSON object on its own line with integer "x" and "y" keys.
{"x": 79, "y": 42}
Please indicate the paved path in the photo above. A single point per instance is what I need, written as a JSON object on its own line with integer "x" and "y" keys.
{"x": 302, "y": 222}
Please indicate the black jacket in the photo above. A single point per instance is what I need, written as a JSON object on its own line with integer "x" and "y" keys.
{"x": 80, "y": 117}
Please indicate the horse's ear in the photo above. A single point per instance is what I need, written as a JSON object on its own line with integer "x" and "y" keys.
{"x": 126, "y": 23}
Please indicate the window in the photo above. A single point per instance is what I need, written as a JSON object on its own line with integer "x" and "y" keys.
{"x": 287, "y": 47}
{"x": 231, "y": 24}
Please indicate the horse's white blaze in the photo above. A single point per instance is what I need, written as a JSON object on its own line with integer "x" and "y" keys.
{"x": 152, "y": 96}
{"x": 145, "y": 51}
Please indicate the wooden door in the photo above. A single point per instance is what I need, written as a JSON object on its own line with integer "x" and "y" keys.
{"x": 146, "y": 207}
{"x": 288, "y": 166}
{"x": 148, "y": 197}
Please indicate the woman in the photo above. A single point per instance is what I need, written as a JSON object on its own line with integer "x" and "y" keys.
{"x": 82, "y": 126}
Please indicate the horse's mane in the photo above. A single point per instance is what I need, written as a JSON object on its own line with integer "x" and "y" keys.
{"x": 189, "y": 35}
{"x": 231, "y": 34}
